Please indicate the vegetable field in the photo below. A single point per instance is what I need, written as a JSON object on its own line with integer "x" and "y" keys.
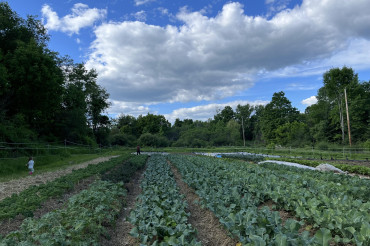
{"x": 264, "y": 204}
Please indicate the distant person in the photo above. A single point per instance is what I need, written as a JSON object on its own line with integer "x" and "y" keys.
{"x": 30, "y": 165}
{"x": 138, "y": 150}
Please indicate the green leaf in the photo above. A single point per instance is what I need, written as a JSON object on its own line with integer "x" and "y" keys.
{"x": 281, "y": 240}
{"x": 134, "y": 232}
{"x": 323, "y": 237}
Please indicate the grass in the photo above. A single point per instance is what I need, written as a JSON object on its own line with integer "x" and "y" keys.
{"x": 16, "y": 168}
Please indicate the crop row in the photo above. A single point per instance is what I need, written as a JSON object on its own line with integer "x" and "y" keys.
{"x": 237, "y": 209}
{"x": 30, "y": 199}
{"x": 85, "y": 217}
{"x": 234, "y": 190}
{"x": 160, "y": 217}
{"x": 80, "y": 223}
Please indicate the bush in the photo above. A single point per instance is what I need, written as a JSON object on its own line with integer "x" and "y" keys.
{"x": 322, "y": 146}
{"x": 151, "y": 140}
{"x": 367, "y": 144}
{"x": 123, "y": 139}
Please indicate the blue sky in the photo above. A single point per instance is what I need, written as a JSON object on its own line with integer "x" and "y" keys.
{"x": 186, "y": 59}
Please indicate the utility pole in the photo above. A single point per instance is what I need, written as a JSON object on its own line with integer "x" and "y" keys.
{"x": 349, "y": 128}
{"x": 243, "y": 130}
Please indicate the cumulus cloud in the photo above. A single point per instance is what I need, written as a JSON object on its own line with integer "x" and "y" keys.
{"x": 81, "y": 16}
{"x": 205, "y": 112}
{"x": 208, "y": 58}
{"x": 135, "y": 109}
{"x": 309, "y": 101}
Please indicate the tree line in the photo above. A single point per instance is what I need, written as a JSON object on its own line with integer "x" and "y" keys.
{"x": 45, "y": 97}
{"x": 276, "y": 123}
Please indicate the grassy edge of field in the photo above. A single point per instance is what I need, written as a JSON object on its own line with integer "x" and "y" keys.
{"x": 16, "y": 168}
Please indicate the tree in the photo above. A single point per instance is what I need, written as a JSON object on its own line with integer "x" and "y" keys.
{"x": 15, "y": 30}
{"x": 292, "y": 134}
{"x": 224, "y": 115}
{"x": 276, "y": 113}
{"x": 35, "y": 85}
{"x": 154, "y": 124}
{"x": 335, "y": 81}
{"x": 243, "y": 116}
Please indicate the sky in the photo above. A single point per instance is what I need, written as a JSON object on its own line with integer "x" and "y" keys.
{"x": 189, "y": 59}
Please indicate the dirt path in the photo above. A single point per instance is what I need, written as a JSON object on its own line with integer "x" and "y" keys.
{"x": 210, "y": 230}
{"x": 18, "y": 185}
{"x": 120, "y": 234}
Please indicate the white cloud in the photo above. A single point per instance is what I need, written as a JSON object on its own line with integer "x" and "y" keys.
{"x": 208, "y": 58}
{"x": 135, "y": 109}
{"x": 206, "y": 112}
{"x": 82, "y": 16}
{"x": 302, "y": 87}
{"x": 141, "y": 2}
{"x": 309, "y": 101}
{"x": 275, "y": 6}
{"x": 356, "y": 56}
{"x": 140, "y": 16}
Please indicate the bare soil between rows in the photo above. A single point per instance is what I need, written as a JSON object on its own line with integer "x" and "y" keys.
{"x": 120, "y": 233}
{"x": 210, "y": 231}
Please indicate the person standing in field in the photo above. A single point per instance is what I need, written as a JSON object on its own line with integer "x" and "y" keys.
{"x": 30, "y": 165}
{"x": 138, "y": 150}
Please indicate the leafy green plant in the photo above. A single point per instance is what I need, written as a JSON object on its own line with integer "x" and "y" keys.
{"x": 335, "y": 205}
{"x": 30, "y": 199}
{"x": 82, "y": 222}
{"x": 160, "y": 218}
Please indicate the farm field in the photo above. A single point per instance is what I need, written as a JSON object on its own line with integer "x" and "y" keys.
{"x": 253, "y": 204}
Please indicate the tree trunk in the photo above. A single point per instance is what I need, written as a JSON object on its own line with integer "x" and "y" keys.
{"x": 341, "y": 118}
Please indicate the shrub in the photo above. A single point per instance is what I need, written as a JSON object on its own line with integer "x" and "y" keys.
{"x": 322, "y": 146}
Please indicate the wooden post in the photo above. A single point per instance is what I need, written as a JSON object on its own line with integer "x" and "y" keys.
{"x": 243, "y": 130}
{"x": 349, "y": 128}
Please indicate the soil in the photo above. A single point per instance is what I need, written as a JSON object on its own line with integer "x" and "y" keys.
{"x": 210, "y": 231}
{"x": 120, "y": 233}
{"x": 7, "y": 226}
{"x": 16, "y": 186}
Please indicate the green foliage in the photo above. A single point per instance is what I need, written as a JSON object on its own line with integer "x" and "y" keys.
{"x": 322, "y": 146}
{"x": 160, "y": 217}
{"x": 126, "y": 170}
{"x": 225, "y": 188}
{"x": 337, "y": 206}
{"x": 292, "y": 134}
{"x": 276, "y": 113}
{"x": 251, "y": 158}
{"x": 148, "y": 139}
{"x": 55, "y": 98}
{"x": 30, "y": 199}
{"x": 80, "y": 223}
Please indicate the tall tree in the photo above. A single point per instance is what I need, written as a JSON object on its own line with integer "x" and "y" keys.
{"x": 225, "y": 115}
{"x": 243, "y": 116}
{"x": 276, "y": 113}
{"x": 335, "y": 81}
